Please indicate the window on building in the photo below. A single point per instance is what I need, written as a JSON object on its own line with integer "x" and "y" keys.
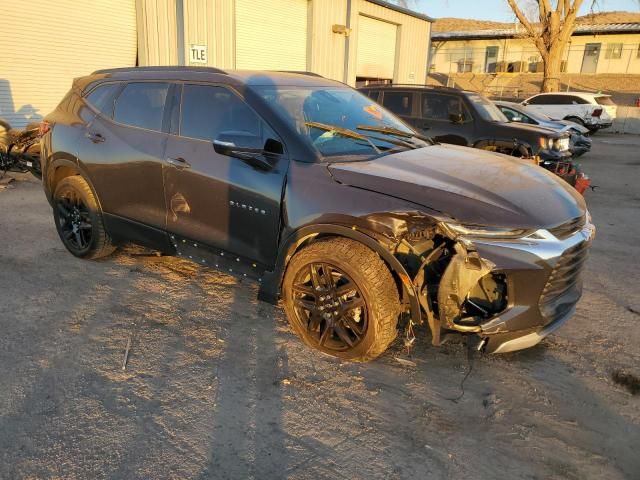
{"x": 102, "y": 97}
{"x": 398, "y": 102}
{"x": 208, "y": 111}
{"x": 142, "y": 105}
{"x": 614, "y": 51}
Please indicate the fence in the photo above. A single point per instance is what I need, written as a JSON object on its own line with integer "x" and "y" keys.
{"x": 600, "y": 58}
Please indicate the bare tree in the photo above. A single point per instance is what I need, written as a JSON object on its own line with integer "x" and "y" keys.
{"x": 550, "y": 33}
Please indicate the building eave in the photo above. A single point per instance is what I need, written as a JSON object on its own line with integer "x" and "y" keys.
{"x": 406, "y": 11}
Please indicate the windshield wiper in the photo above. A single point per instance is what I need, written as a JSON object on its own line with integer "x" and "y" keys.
{"x": 389, "y": 130}
{"x": 392, "y": 131}
{"x": 345, "y": 132}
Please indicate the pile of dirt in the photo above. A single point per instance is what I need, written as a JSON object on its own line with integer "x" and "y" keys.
{"x": 449, "y": 24}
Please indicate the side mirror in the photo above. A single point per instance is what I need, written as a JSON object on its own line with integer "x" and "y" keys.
{"x": 525, "y": 103}
{"x": 247, "y": 147}
{"x": 456, "y": 118}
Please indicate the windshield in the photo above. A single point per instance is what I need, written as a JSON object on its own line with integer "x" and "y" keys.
{"x": 487, "y": 109}
{"x": 340, "y": 122}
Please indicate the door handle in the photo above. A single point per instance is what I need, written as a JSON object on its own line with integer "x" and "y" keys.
{"x": 179, "y": 162}
{"x": 95, "y": 137}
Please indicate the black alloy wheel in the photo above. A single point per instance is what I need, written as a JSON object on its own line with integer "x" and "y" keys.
{"x": 330, "y": 305}
{"x": 74, "y": 221}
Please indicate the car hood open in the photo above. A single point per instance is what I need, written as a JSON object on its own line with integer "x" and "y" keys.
{"x": 469, "y": 185}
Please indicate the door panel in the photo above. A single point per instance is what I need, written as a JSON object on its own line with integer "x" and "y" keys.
{"x": 125, "y": 163}
{"x": 215, "y": 199}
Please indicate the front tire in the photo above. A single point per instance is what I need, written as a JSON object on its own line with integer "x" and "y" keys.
{"x": 79, "y": 219}
{"x": 340, "y": 298}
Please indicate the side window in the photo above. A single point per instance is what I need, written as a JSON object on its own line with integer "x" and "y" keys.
{"x": 208, "y": 111}
{"x": 510, "y": 114}
{"x": 538, "y": 100}
{"x": 576, "y": 100}
{"x": 102, "y": 97}
{"x": 142, "y": 105}
{"x": 399, "y": 103}
{"x": 374, "y": 95}
{"x": 436, "y": 106}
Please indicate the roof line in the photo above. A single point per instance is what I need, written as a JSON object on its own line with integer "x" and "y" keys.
{"x": 400, "y": 9}
{"x": 603, "y": 28}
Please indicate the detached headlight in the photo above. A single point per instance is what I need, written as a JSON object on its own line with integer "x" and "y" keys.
{"x": 479, "y": 231}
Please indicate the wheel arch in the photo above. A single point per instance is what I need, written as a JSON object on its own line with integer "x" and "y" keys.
{"x": 63, "y": 167}
{"x": 272, "y": 281}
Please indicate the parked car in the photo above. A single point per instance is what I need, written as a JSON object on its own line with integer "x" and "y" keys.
{"x": 516, "y": 112}
{"x": 332, "y": 203}
{"x": 592, "y": 110}
{"x": 467, "y": 118}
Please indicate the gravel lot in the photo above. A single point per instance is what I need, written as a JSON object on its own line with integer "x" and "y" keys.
{"x": 218, "y": 387}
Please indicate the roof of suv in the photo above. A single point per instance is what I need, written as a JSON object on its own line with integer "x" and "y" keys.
{"x": 413, "y": 86}
{"x": 579, "y": 94}
{"x": 247, "y": 77}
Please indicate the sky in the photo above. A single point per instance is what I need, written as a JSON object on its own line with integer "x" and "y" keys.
{"x": 498, "y": 10}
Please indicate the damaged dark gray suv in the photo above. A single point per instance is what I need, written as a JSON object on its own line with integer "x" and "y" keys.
{"x": 333, "y": 204}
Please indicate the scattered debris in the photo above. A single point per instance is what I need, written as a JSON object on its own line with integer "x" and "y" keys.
{"x": 627, "y": 380}
{"x": 126, "y": 354}
{"x": 286, "y": 381}
{"x": 6, "y": 180}
{"x": 634, "y": 309}
{"x": 406, "y": 363}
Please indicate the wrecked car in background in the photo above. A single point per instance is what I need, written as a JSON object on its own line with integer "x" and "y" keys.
{"x": 329, "y": 201}
{"x": 466, "y": 118}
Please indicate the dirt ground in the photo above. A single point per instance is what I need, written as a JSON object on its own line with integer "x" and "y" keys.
{"x": 218, "y": 387}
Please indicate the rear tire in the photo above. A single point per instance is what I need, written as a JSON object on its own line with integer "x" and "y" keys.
{"x": 79, "y": 220}
{"x": 340, "y": 298}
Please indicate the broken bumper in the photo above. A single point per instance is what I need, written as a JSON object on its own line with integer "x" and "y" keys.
{"x": 543, "y": 279}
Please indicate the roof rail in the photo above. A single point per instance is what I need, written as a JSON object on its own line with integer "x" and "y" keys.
{"x": 414, "y": 85}
{"x": 301, "y": 72}
{"x": 161, "y": 68}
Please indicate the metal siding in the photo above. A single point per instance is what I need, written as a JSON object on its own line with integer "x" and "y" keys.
{"x": 376, "y": 49}
{"x": 271, "y": 34}
{"x": 46, "y": 44}
{"x": 412, "y": 42}
{"x": 157, "y": 32}
{"x": 327, "y": 48}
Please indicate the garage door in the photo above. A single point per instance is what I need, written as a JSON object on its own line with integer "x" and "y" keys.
{"x": 271, "y": 34}
{"x": 376, "y": 54}
{"x": 46, "y": 44}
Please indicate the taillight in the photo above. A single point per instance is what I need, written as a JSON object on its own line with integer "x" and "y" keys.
{"x": 597, "y": 112}
{"x": 43, "y": 128}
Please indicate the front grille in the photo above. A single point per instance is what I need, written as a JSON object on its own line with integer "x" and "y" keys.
{"x": 569, "y": 228}
{"x": 564, "y": 286}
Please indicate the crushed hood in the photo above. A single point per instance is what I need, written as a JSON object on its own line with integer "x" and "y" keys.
{"x": 469, "y": 185}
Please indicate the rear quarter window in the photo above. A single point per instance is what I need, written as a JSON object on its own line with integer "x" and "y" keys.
{"x": 142, "y": 105}
{"x": 102, "y": 97}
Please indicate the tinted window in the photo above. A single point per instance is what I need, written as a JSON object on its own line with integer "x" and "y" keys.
{"x": 373, "y": 95}
{"x": 207, "y": 111}
{"x": 398, "y": 102}
{"x": 436, "y": 106}
{"x": 142, "y": 105}
{"x": 552, "y": 100}
{"x": 102, "y": 97}
{"x": 576, "y": 100}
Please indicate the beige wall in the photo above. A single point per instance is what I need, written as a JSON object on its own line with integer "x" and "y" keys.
{"x": 445, "y": 55}
{"x": 212, "y": 22}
